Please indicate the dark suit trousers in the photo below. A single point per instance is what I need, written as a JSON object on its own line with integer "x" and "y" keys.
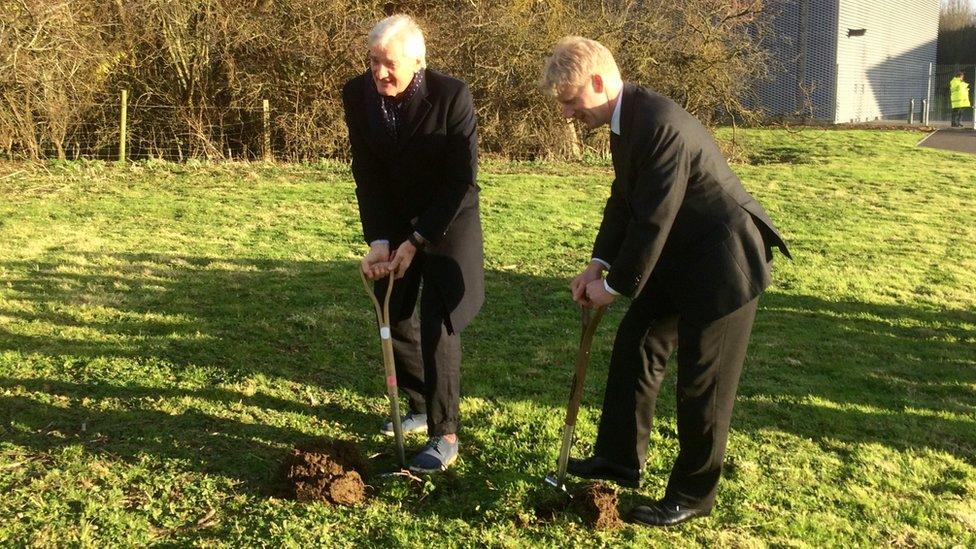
{"x": 957, "y": 116}
{"x": 427, "y": 354}
{"x": 710, "y": 360}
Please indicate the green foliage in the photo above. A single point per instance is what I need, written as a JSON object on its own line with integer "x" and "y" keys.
{"x": 169, "y": 331}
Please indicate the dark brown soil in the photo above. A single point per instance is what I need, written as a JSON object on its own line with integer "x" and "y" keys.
{"x": 330, "y": 471}
{"x": 597, "y": 504}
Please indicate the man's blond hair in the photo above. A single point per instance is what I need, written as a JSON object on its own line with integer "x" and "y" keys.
{"x": 574, "y": 60}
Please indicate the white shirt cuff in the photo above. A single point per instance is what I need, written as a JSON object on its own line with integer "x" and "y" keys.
{"x": 601, "y": 262}
{"x": 380, "y": 241}
{"x": 608, "y": 288}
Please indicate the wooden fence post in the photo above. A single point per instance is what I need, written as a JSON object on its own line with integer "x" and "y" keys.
{"x": 122, "y": 121}
{"x": 266, "y": 117}
{"x": 572, "y": 138}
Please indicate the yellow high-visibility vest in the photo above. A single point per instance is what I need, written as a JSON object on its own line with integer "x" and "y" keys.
{"x": 959, "y": 93}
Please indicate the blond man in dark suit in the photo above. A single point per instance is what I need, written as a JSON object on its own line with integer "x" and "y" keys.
{"x": 684, "y": 241}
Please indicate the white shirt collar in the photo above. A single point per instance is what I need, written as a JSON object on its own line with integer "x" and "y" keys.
{"x": 615, "y": 117}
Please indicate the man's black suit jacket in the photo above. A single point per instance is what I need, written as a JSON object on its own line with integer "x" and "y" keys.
{"x": 423, "y": 181}
{"x": 678, "y": 223}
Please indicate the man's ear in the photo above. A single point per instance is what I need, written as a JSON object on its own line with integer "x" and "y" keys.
{"x": 597, "y": 81}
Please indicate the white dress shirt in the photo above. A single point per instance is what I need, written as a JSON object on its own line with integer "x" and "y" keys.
{"x": 615, "y": 128}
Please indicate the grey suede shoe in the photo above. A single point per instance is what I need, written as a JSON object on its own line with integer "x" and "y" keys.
{"x": 410, "y": 423}
{"x": 437, "y": 456}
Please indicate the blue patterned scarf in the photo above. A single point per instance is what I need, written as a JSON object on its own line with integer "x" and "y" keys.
{"x": 392, "y": 108}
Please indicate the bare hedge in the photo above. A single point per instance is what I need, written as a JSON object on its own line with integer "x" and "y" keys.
{"x": 198, "y": 70}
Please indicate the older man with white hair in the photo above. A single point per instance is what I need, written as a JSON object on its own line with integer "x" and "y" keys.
{"x": 414, "y": 158}
{"x": 691, "y": 248}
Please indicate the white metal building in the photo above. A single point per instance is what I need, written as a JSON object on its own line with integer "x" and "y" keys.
{"x": 850, "y": 60}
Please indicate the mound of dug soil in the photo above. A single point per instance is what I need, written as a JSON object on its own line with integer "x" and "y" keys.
{"x": 597, "y": 504}
{"x": 330, "y": 471}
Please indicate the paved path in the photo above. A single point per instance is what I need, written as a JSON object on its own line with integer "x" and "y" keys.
{"x": 959, "y": 140}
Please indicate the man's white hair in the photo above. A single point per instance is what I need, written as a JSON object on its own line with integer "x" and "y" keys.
{"x": 574, "y": 60}
{"x": 403, "y": 30}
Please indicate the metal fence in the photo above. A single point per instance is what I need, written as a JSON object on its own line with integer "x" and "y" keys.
{"x": 939, "y": 107}
{"x": 124, "y": 128}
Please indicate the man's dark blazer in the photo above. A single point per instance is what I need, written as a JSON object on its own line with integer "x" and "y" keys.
{"x": 678, "y": 222}
{"x": 423, "y": 181}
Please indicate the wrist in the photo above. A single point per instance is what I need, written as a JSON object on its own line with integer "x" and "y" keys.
{"x": 417, "y": 240}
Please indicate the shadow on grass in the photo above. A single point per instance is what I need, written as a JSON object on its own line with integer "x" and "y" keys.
{"x": 856, "y": 372}
{"x": 893, "y": 375}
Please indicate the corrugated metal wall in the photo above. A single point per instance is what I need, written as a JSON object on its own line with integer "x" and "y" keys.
{"x": 881, "y": 70}
{"x": 824, "y": 70}
{"x": 803, "y": 44}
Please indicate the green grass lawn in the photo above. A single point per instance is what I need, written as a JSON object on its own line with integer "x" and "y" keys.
{"x": 168, "y": 332}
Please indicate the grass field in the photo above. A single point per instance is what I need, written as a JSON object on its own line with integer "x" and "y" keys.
{"x": 169, "y": 331}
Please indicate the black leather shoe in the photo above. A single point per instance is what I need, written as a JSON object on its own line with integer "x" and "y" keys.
{"x": 603, "y": 469}
{"x": 665, "y": 513}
